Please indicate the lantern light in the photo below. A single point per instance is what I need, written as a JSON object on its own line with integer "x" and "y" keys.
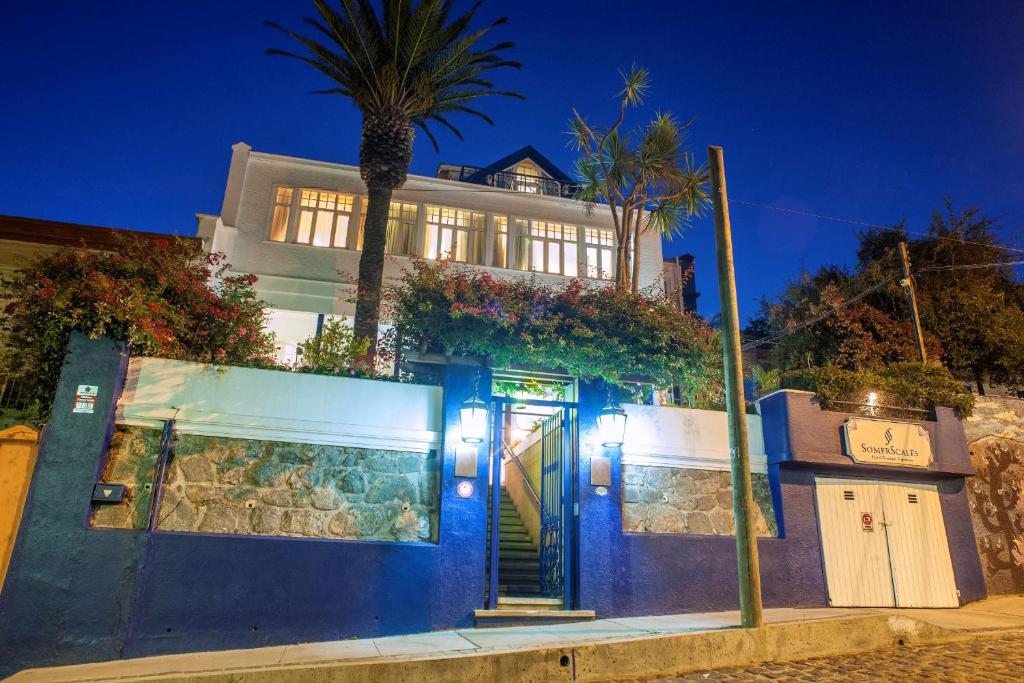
{"x": 474, "y": 417}
{"x": 611, "y": 425}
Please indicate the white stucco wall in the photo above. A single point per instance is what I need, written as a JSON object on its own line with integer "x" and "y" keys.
{"x": 686, "y": 437}
{"x": 320, "y": 279}
{"x": 276, "y": 405}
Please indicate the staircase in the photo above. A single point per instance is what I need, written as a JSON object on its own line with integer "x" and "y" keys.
{"x": 518, "y": 557}
{"x": 520, "y": 601}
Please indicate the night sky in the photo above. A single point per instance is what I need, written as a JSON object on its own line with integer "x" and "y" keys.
{"x": 123, "y": 113}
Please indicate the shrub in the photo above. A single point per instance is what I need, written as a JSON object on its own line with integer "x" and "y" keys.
{"x": 334, "y": 349}
{"x": 902, "y": 385}
{"x": 587, "y": 331}
{"x": 164, "y": 297}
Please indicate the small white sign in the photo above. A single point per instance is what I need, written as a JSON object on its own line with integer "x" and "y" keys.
{"x": 85, "y": 399}
{"x": 883, "y": 442}
{"x": 464, "y": 488}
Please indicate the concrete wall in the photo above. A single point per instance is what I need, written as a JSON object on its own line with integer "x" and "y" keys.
{"x": 320, "y": 279}
{"x": 996, "y": 435}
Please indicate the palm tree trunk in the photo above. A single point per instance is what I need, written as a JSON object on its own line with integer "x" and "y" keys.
{"x": 384, "y": 157}
{"x": 371, "y": 271}
{"x": 636, "y": 251}
{"x": 622, "y": 250}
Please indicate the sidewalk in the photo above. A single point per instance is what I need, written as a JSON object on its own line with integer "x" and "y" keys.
{"x": 627, "y": 648}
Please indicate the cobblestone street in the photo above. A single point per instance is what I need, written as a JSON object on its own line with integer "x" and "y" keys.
{"x": 977, "y": 659}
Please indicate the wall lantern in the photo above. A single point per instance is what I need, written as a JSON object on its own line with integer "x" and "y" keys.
{"x": 611, "y": 425}
{"x": 474, "y": 417}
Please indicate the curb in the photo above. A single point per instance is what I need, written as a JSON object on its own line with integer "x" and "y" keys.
{"x": 621, "y": 660}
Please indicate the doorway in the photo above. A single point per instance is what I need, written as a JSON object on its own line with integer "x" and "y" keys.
{"x": 883, "y": 544}
{"x": 531, "y": 536}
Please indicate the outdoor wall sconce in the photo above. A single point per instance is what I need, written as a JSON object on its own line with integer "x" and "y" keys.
{"x": 611, "y": 425}
{"x": 474, "y": 417}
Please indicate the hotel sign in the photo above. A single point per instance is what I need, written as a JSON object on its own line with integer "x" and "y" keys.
{"x": 881, "y": 442}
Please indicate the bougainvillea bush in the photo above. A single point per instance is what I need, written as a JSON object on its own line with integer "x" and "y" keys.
{"x": 586, "y": 330}
{"x": 165, "y": 297}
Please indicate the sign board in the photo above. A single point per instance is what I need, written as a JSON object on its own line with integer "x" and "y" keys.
{"x": 867, "y": 521}
{"x": 108, "y": 493}
{"x": 85, "y": 399}
{"x": 464, "y": 488}
{"x": 882, "y": 442}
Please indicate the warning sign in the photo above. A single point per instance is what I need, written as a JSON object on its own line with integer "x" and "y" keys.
{"x": 85, "y": 399}
{"x": 867, "y": 521}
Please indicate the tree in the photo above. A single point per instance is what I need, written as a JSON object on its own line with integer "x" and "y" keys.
{"x": 165, "y": 298}
{"x": 977, "y": 313}
{"x": 405, "y": 67}
{"x": 652, "y": 186}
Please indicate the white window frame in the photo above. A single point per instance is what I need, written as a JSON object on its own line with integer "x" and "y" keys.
{"x": 449, "y": 230}
{"x": 545, "y": 239}
{"x": 338, "y": 210}
{"x": 599, "y": 253}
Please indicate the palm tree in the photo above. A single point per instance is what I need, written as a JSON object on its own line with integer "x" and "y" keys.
{"x": 407, "y": 66}
{"x": 654, "y": 186}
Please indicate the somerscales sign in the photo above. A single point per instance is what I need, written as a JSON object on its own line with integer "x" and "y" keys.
{"x": 881, "y": 442}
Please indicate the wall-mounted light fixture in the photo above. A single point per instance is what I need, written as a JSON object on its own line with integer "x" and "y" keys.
{"x": 474, "y": 416}
{"x": 611, "y": 424}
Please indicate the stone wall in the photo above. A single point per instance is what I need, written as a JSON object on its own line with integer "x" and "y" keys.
{"x": 131, "y": 461}
{"x": 688, "y": 501}
{"x": 995, "y": 433}
{"x": 240, "y": 486}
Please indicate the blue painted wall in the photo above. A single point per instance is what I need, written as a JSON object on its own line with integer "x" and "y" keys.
{"x": 75, "y": 594}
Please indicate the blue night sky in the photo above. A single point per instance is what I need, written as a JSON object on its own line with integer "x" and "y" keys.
{"x": 122, "y": 113}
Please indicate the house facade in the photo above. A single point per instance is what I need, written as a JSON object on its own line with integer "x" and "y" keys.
{"x": 297, "y": 225}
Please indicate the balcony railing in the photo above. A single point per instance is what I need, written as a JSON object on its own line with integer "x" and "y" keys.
{"x": 11, "y": 395}
{"x": 517, "y": 182}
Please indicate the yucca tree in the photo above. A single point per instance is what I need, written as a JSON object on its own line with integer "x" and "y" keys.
{"x": 654, "y": 185}
{"x": 406, "y": 65}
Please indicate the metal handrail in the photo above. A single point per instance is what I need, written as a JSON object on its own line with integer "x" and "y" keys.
{"x": 518, "y": 182}
{"x": 522, "y": 470}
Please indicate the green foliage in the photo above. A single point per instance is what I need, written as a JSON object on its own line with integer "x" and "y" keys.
{"x": 411, "y": 58}
{"x": 588, "y": 332}
{"x": 334, "y": 348}
{"x": 648, "y": 179}
{"x": 901, "y": 385}
{"x": 165, "y": 297}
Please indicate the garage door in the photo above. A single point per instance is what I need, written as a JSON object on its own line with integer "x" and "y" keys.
{"x": 884, "y": 544}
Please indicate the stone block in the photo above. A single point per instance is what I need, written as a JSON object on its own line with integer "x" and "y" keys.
{"x": 666, "y": 520}
{"x": 219, "y": 519}
{"x": 265, "y": 520}
{"x": 301, "y": 523}
{"x": 177, "y": 513}
{"x": 634, "y": 518}
{"x": 202, "y": 495}
{"x": 325, "y": 499}
{"x": 699, "y": 523}
{"x": 392, "y": 488}
{"x": 409, "y": 463}
{"x": 352, "y": 481}
{"x": 725, "y": 499}
{"x": 630, "y": 493}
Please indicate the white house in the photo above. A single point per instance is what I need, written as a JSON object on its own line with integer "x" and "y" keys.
{"x": 297, "y": 225}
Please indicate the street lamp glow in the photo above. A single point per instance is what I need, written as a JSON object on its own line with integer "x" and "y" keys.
{"x": 611, "y": 426}
{"x": 474, "y": 420}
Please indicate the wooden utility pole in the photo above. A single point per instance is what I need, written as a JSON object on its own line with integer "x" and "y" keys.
{"x": 748, "y": 565}
{"x": 908, "y": 286}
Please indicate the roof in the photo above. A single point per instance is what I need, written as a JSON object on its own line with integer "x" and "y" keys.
{"x": 522, "y": 154}
{"x": 57, "y": 233}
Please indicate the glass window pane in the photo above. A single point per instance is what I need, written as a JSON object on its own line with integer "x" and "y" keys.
{"x": 607, "y": 265}
{"x": 341, "y": 231}
{"x": 571, "y": 267}
{"x": 279, "y": 224}
{"x": 537, "y": 255}
{"x": 324, "y": 221}
{"x": 430, "y": 242}
{"x": 593, "y": 262}
{"x": 446, "y": 243}
{"x": 305, "y": 224}
{"x": 554, "y": 257}
{"x": 501, "y": 250}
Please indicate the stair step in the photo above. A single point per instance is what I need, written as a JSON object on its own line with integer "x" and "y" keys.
{"x": 513, "y": 617}
{"x": 532, "y": 603}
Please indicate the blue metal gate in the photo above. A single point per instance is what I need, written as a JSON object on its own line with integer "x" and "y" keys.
{"x": 551, "y": 507}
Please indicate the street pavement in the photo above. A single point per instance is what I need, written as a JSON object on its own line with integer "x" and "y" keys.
{"x": 981, "y": 658}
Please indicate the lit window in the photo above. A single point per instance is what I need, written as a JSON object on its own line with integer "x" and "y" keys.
{"x": 552, "y": 248}
{"x": 500, "y": 257}
{"x": 599, "y": 245}
{"x": 279, "y": 219}
{"x": 455, "y": 234}
{"x": 401, "y": 228}
{"x": 324, "y": 218}
{"x": 527, "y": 178}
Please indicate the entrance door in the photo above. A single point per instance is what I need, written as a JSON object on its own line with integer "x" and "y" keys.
{"x": 884, "y": 544}
{"x": 532, "y": 520}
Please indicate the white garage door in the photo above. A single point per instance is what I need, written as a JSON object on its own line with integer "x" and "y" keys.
{"x": 884, "y": 544}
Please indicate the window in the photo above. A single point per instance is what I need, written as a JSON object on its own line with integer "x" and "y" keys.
{"x": 455, "y": 234}
{"x": 599, "y": 252}
{"x": 527, "y": 178}
{"x": 279, "y": 219}
{"x": 552, "y": 248}
{"x": 401, "y": 228}
{"x": 500, "y": 257}
{"x": 324, "y": 218}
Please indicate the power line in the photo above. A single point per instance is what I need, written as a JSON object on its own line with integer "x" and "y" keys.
{"x": 853, "y": 221}
{"x": 818, "y": 318}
